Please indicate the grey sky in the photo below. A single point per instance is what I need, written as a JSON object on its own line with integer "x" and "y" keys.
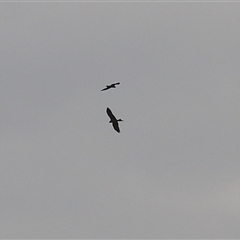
{"x": 172, "y": 172}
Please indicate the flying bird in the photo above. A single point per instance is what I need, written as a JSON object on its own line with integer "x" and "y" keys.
{"x": 113, "y": 120}
{"x": 113, "y": 85}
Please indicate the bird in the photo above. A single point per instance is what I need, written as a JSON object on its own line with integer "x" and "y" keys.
{"x": 113, "y": 120}
{"x": 113, "y": 85}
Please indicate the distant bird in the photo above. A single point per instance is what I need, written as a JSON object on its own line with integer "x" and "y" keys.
{"x": 113, "y": 120}
{"x": 110, "y": 86}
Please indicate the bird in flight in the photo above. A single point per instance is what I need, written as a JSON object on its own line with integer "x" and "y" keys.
{"x": 113, "y": 85}
{"x": 113, "y": 120}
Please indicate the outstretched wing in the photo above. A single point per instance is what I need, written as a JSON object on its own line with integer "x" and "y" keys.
{"x": 106, "y": 88}
{"x": 115, "y": 126}
{"x": 110, "y": 114}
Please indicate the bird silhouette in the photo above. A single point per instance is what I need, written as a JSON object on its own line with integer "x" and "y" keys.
{"x": 113, "y": 120}
{"x": 113, "y": 85}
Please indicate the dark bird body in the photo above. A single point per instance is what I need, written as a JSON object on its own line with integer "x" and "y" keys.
{"x": 113, "y": 120}
{"x": 110, "y": 86}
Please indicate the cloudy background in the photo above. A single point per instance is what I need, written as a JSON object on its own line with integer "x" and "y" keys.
{"x": 172, "y": 172}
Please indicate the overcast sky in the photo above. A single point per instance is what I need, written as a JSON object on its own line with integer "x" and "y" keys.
{"x": 172, "y": 172}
